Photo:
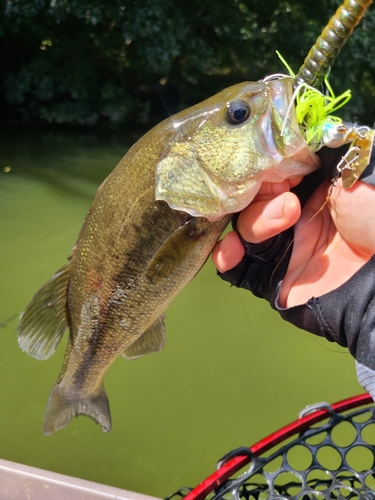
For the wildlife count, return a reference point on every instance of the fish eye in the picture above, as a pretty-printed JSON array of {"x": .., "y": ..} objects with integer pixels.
[{"x": 237, "y": 112}]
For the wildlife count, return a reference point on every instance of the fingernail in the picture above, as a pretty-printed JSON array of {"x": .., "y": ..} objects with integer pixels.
[{"x": 274, "y": 209}]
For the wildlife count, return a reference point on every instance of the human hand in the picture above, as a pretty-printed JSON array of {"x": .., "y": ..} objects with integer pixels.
[{"x": 328, "y": 249}]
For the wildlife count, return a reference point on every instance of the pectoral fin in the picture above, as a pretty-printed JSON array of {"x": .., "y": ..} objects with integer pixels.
[
  {"x": 152, "y": 340},
  {"x": 45, "y": 319},
  {"x": 176, "y": 248}
]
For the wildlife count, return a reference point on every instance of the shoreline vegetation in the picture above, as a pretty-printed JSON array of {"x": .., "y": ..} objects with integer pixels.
[{"x": 125, "y": 63}]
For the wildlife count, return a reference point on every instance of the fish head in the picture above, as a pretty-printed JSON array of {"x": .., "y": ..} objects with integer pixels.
[{"x": 224, "y": 148}]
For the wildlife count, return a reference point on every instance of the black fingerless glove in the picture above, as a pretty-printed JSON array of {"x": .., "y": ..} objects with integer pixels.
[{"x": 347, "y": 314}]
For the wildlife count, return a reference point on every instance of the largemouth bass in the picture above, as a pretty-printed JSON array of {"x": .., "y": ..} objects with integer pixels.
[{"x": 151, "y": 227}]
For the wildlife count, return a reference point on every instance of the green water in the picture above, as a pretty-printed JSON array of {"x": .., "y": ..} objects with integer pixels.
[{"x": 232, "y": 371}]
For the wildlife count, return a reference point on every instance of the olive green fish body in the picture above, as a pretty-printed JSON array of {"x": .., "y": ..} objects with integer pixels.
[
  {"x": 152, "y": 225},
  {"x": 124, "y": 273}
]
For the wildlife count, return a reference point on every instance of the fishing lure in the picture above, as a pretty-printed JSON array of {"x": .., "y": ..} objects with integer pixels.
[
  {"x": 314, "y": 109},
  {"x": 320, "y": 127}
]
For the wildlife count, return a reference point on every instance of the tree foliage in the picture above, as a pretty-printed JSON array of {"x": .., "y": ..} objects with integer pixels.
[{"x": 118, "y": 61}]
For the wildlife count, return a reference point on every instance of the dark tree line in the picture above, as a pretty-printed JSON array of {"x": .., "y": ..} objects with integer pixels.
[{"x": 122, "y": 61}]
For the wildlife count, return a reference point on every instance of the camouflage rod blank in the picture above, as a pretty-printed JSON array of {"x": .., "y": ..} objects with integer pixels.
[{"x": 323, "y": 54}]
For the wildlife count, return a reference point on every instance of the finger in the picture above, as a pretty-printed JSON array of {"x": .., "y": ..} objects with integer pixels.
[
  {"x": 352, "y": 211},
  {"x": 265, "y": 219},
  {"x": 272, "y": 189},
  {"x": 228, "y": 252}
]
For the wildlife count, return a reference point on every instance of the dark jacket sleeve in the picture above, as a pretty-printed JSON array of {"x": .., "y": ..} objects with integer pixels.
[{"x": 345, "y": 315}]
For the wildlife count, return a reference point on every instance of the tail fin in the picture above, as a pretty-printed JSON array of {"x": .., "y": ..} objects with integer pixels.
[{"x": 61, "y": 409}]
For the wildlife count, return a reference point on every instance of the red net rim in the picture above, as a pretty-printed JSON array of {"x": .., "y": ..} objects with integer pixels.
[{"x": 235, "y": 464}]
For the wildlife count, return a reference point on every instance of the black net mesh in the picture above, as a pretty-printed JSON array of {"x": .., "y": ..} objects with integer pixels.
[{"x": 334, "y": 459}]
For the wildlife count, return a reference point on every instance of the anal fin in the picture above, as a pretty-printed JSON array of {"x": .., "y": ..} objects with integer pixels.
[
  {"x": 45, "y": 319},
  {"x": 152, "y": 340}
]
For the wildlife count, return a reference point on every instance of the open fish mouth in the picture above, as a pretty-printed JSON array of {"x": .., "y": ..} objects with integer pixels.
[{"x": 264, "y": 144}]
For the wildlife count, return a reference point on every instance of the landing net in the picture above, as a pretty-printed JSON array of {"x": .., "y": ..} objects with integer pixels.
[{"x": 328, "y": 453}]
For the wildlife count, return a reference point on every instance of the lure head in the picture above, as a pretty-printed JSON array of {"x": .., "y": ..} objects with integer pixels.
[{"x": 225, "y": 147}]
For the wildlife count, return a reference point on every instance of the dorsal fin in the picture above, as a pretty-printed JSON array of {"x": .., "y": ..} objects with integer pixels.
[
  {"x": 45, "y": 319},
  {"x": 152, "y": 340}
]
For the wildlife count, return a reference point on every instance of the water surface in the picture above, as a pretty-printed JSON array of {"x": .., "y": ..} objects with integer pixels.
[{"x": 232, "y": 371}]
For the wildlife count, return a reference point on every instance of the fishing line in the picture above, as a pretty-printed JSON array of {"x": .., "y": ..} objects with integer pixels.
[
  {"x": 5, "y": 323},
  {"x": 328, "y": 197},
  {"x": 163, "y": 102},
  {"x": 317, "y": 340}
]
